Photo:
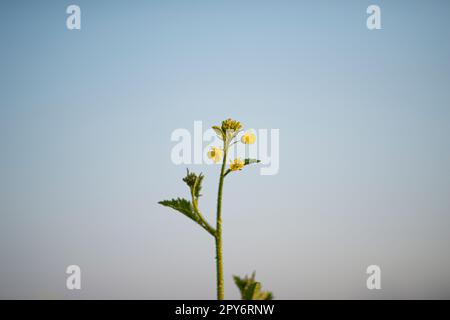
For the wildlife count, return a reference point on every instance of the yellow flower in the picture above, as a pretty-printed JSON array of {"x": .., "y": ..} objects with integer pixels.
[
  {"x": 237, "y": 164},
  {"x": 248, "y": 138},
  {"x": 215, "y": 154}
]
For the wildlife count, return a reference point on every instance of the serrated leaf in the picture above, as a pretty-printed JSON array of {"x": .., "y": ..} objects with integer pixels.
[
  {"x": 182, "y": 205},
  {"x": 251, "y": 289},
  {"x": 240, "y": 283},
  {"x": 194, "y": 182}
]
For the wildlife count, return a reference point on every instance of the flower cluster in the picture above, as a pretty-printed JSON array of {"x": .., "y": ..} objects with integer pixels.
[
  {"x": 227, "y": 132},
  {"x": 236, "y": 165},
  {"x": 231, "y": 124}
]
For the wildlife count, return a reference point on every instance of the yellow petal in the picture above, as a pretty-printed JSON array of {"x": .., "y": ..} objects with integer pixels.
[{"x": 248, "y": 138}]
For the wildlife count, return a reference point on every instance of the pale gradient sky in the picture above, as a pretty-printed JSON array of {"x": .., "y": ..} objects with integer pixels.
[{"x": 85, "y": 124}]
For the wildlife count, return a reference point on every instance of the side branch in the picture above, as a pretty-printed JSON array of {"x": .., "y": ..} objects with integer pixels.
[{"x": 202, "y": 221}]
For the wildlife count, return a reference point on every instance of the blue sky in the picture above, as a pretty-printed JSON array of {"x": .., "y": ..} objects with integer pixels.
[{"x": 85, "y": 124}]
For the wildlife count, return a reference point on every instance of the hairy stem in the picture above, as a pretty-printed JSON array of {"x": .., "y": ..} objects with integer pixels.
[
  {"x": 219, "y": 261},
  {"x": 201, "y": 221}
]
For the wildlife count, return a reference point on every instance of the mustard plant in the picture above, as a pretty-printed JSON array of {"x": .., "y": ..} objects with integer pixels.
[{"x": 227, "y": 133}]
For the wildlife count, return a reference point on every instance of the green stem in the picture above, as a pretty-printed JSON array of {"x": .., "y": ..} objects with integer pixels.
[
  {"x": 201, "y": 221},
  {"x": 219, "y": 261}
]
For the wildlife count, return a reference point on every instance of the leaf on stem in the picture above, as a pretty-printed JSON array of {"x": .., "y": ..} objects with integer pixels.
[
  {"x": 251, "y": 289},
  {"x": 194, "y": 182},
  {"x": 182, "y": 205}
]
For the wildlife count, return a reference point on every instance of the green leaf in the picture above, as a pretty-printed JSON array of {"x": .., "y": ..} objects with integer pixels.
[
  {"x": 218, "y": 131},
  {"x": 198, "y": 185},
  {"x": 251, "y": 289},
  {"x": 182, "y": 205},
  {"x": 194, "y": 182}
]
